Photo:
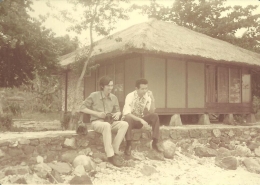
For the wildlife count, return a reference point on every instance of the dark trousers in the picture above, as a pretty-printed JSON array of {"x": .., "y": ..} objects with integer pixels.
[{"x": 152, "y": 119}]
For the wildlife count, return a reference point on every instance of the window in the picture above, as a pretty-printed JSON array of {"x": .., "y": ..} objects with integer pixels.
[{"x": 227, "y": 85}]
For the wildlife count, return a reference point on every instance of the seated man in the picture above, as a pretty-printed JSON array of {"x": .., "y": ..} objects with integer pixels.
[
  {"x": 98, "y": 104},
  {"x": 138, "y": 111}
]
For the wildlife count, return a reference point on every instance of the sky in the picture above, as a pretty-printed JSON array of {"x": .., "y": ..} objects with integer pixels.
[{"x": 60, "y": 27}]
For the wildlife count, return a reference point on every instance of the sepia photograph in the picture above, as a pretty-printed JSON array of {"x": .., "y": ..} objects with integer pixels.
[{"x": 130, "y": 92}]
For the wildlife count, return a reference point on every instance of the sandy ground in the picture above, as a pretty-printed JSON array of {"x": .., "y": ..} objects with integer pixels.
[{"x": 180, "y": 171}]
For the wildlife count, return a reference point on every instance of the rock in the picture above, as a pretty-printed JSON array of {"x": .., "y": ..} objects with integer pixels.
[
  {"x": 216, "y": 132},
  {"x": 243, "y": 151},
  {"x": 153, "y": 155},
  {"x": 51, "y": 156},
  {"x": 39, "y": 159},
  {"x": 15, "y": 152},
  {"x": 137, "y": 135},
  {"x": 17, "y": 170},
  {"x": 69, "y": 156},
  {"x": 60, "y": 167},
  {"x": 228, "y": 163},
  {"x": 130, "y": 163},
  {"x": 231, "y": 133},
  {"x": 138, "y": 156},
  {"x": 23, "y": 141},
  {"x": 84, "y": 179},
  {"x": 18, "y": 180},
  {"x": 257, "y": 151},
  {"x": 2, "y": 154},
  {"x": 223, "y": 152},
  {"x": 70, "y": 143},
  {"x": 168, "y": 149},
  {"x": 85, "y": 151},
  {"x": 79, "y": 170},
  {"x": 102, "y": 165},
  {"x": 148, "y": 170},
  {"x": 213, "y": 145},
  {"x": 82, "y": 142},
  {"x": 175, "y": 120},
  {"x": 99, "y": 155},
  {"x": 205, "y": 152},
  {"x": 42, "y": 170},
  {"x": 2, "y": 174},
  {"x": 85, "y": 161},
  {"x": 145, "y": 135},
  {"x": 97, "y": 160},
  {"x": 28, "y": 149},
  {"x": 252, "y": 145},
  {"x": 252, "y": 165},
  {"x": 195, "y": 133},
  {"x": 55, "y": 177}
]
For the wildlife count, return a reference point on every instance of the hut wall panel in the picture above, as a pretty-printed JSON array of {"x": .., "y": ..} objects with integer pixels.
[
  {"x": 176, "y": 84},
  {"x": 154, "y": 72},
  {"x": 119, "y": 82},
  {"x": 234, "y": 86},
  {"x": 132, "y": 73},
  {"x": 246, "y": 86},
  {"x": 196, "y": 85}
]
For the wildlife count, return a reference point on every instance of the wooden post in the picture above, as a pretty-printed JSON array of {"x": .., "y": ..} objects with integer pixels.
[{"x": 175, "y": 120}]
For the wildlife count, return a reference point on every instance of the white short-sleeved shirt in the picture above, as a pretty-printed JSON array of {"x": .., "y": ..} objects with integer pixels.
[{"x": 136, "y": 105}]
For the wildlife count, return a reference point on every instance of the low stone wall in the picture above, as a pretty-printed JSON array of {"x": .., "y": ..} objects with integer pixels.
[{"x": 55, "y": 146}]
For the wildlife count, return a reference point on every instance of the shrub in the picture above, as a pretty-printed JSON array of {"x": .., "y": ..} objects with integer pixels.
[
  {"x": 6, "y": 122},
  {"x": 256, "y": 103},
  {"x": 65, "y": 120}
]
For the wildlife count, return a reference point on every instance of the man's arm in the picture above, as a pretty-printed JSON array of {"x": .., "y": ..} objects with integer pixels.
[
  {"x": 152, "y": 106},
  {"x": 85, "y": 108},
  {"x": 128, "y": 109}
]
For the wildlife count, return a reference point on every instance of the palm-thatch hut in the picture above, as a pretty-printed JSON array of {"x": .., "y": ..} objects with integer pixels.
[{"x": 188, "y": 72}]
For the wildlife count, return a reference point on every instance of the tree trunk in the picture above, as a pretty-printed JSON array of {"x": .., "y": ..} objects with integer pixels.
[{"x": 74, "y": 117}]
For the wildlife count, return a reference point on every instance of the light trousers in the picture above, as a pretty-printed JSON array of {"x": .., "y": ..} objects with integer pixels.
[{"x": 106, "y": 130}]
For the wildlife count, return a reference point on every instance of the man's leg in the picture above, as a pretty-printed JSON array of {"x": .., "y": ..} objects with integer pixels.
[
  {"x": 132, "y": 125},
  {"x": 153, "y": 120},
  {"x": 121, "y": 128},
  {"x": 105, "y": 129}
]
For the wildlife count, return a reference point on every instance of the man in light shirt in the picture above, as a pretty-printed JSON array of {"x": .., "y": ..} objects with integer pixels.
[{"x": 138, "y": 111}]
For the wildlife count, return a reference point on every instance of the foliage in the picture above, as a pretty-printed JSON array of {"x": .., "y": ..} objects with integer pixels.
[
  {"x": 27, "y": 48},
  {"x": 99, "y": 17},
  {"x": 65, "y": 120},
  {"x": 6, "y": 122},
  {"x": 212, "y": 18},
  {"x": 256, "y": 104}
]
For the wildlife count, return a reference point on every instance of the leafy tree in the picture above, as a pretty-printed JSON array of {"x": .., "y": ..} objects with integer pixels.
[
  {"x": 99, "y": 17},
  {"x": 26, "y": 47},
  {"x": 212, "y": 18}
]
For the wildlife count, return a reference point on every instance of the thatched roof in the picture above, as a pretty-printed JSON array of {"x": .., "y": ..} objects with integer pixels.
[{"x": 167, "y": 38}]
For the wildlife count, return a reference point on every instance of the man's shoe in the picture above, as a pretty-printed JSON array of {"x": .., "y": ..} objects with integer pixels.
[
  {"x": 128, "y": 149},
  {"x": 157, "y": 147},
  {"x": 116, "y": 161}
]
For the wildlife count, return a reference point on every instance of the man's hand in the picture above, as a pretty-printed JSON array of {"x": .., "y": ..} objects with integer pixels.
[
  {"x": 150, "y": 93},
  {"x": 101, "y": 114},
  {"x": 145, "y": 124},
  {"x": 116, "y": 116}
]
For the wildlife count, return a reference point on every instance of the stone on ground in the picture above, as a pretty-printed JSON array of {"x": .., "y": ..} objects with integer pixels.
[
  {"x": 205, "y": 152},
  {"x": 148, "y": 170},
  {"x": 60, "y": 167},
  {"x": 168, "y": 149},
  {"x": 252, "y": 165},
  {"x": 85, "y": 179},
  {"x": 85, "y": 161},
  {"x": 79, "y": 170},
  {"x": 227, "y": 163},
  {"x": 69, "y": 156}
]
